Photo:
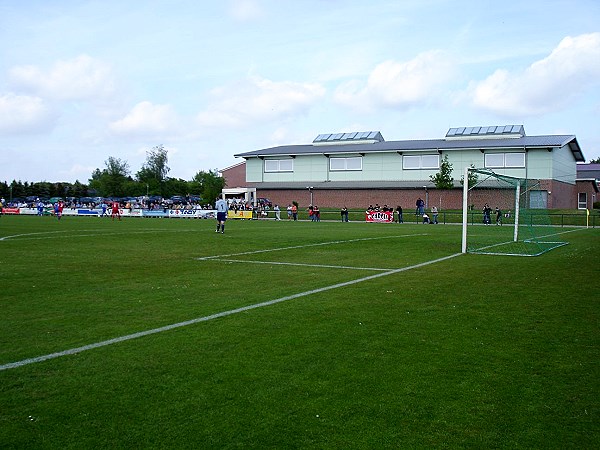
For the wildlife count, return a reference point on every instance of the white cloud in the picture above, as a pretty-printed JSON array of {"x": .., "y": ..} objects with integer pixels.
[
  {"x": 24, "y": 114},
  {"x": 148, "y": 119},
  {"x": 80, "y": 78},
  {"x": 546, "y": 85},
  {"x": 245, "y": 10},
  {"x": 399, "y": 84},
  {"x": 257, "y": 99}
]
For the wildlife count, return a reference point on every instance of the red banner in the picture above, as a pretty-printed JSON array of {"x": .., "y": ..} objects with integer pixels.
[
  {"x": 11, "y": 210},
  {"x": 380, "y": 216}
]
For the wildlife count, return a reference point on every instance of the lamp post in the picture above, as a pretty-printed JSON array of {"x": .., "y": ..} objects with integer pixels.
[
  {"x": 310, "y": 189},
  {"x": 426, "y": 197}
]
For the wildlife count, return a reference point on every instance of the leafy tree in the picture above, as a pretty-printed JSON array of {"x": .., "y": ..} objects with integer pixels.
[
  {"x": 473, "y": 178},
  {"x": 443, "y": 179},
  {"x": 595, "y": 161},
  {"x": 153, "y": 173},
  {"x": 155, "y": 167},
  {"x": 207, "y": 184},
  {"x": 111, "y": 182}
]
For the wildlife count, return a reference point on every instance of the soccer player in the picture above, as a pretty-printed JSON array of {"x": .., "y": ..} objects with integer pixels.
[
  {"x": 58, "y": 209},
  {"x": 115, "y": 211},
  {"x": 221, "y": 207}
]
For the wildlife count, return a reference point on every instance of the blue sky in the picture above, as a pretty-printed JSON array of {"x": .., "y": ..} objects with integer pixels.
[{"x": 81, "y": 81}]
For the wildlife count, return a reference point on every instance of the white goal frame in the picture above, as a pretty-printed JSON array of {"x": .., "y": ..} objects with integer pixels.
[{"x": 465, "y": 205}]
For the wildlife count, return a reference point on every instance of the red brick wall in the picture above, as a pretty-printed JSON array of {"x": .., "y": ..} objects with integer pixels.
[
  {"x": 235, "y": 176},
  {"x": 362, "y": 198},
  {"x": 562, "y": 195},
  {"x": 589, "y": 189}
]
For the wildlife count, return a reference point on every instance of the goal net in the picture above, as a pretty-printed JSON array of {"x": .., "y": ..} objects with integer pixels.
[{"x": 498, "y": 219}]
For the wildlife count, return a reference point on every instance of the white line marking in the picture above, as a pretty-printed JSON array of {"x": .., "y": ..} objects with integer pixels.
[
  {"x": 293, "y": 247},
  {"x": 26, "y": 236},
  {"x": 277, "y": 263},
  {"x": 129, "y": 337}
]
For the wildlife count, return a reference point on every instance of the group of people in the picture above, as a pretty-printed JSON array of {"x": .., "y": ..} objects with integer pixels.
[
  {"x": 314, "y": 213},
  {"x": 487, "y": 215}
]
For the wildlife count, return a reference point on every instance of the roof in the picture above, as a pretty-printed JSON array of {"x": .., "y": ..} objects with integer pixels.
[
  {"x": 529, "y": 142},
  {"x": 588, "y": 167}
]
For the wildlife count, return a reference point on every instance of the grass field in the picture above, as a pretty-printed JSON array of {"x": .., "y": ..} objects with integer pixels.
[{"x": 292, "y": 335}]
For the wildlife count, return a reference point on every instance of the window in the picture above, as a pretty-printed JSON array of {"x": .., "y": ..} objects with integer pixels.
[
  {"x": 279, "y": 165},
  {"x": 421, "y": 162},
  {"x": 352, "y": 163},
  {"x": 582, "y": 200},
  {"x": 496, "y": 160},
  {"x": 514, "y": 159}
]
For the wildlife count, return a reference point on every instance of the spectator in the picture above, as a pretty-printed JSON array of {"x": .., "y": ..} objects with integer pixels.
[{"x": 344, "y": 214}]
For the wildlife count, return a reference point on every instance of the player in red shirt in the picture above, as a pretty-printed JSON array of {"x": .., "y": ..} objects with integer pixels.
[{"x": 115, "y": 211}]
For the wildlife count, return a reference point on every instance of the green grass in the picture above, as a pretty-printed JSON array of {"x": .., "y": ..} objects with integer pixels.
[{"x": 475, "y": 351}]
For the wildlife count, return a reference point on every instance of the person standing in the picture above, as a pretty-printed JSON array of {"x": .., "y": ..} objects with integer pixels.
[
  {"x": 434, "y": 214},
  {"x": 420, "y": 204},
  {"x": 487, "y": 212},
  {"x": 277, "y": 212},
  {"x": 294, "y": 211},
  {"x": 498, "y": 216},
  {"x": 221, "y": 207},
  {"x": 344, "y": 214},
  {"x": 114, "y": 212},
  {"x": 400, "y": 215},
  {"x": 57, "y": 210},
  {"x": 289, "y": 212}
]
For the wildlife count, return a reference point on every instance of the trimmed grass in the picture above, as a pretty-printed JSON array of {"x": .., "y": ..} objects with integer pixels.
[{"x": 475, "y": 351}]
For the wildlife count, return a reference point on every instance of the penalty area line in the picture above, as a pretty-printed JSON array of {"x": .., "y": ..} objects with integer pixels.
[
  {"x": 140, "y": 334},
  {"x": 279, "y": 263}
]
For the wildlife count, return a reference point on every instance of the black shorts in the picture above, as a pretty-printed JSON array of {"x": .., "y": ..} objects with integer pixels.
[{"x": 221, "y": 216}]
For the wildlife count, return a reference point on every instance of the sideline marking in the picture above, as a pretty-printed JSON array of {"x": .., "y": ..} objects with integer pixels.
[{"x": 128, "y": 337}]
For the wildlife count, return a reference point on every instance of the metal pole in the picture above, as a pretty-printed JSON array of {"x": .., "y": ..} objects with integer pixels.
[{"x": 465, "y": 216}]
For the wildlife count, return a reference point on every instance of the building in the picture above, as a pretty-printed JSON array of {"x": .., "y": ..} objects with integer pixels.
[
  {"x": 361, "y": 168},
  {"x": 588, "y": 176}
]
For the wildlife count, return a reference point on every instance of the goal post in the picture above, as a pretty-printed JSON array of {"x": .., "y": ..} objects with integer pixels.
[{"x": 496, "y": 218}]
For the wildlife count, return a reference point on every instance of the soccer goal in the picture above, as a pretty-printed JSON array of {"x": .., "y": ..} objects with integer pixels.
[{"x": 498, "y": 219}]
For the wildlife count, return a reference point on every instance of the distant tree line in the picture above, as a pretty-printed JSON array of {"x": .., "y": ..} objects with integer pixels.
[{"x": 116, "y": 180}]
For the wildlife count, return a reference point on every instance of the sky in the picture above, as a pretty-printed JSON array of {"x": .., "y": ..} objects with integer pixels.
[{"x": 82, "y": 81}]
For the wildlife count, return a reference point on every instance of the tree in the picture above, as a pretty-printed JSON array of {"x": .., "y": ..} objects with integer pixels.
[
  {"x": 473, "y": 178},
  {"x": 111, "y": 182},
  {"x": 207, "y": 184},
  {"x": 595, "y": 161},
  {"x": 155, "y": 167},
  {"x": 443, "y": 179}
]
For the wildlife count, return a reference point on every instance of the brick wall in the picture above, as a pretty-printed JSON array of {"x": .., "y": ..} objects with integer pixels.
[
  {"x": 362, "y": 198},
  {"x": 235, "y": 176}
]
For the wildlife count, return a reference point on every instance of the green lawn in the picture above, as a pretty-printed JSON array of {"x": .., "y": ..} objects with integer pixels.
[{"x": 472, "y": 351}]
